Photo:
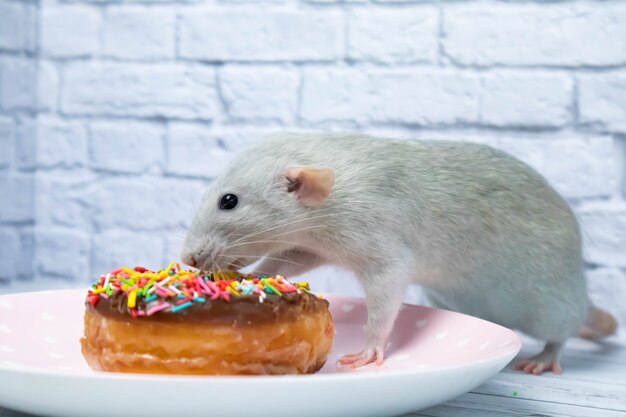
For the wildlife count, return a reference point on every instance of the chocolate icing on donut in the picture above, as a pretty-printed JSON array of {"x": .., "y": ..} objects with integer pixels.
[
  {"x": 174, "y": 295},
  {"x": 244, "y": 310}
]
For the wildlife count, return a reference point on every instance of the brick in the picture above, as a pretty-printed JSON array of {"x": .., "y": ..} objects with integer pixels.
[
  {"x": 139, "y": 33},
  {"x": 194, "y": 150},
  {"x": 144, "y": 203},
  {"x": 7, "y": 140},
  {"x": 69, "y": 31},
  {"x": 562, "y": 34},
  {"x": 525, "y": 99},
  {"x": 60, "y": 143},
  {"x": 265, "y": 35},
  {"x": 582, "y": 168},
  {"x": 62, "y": 254},
  {"x": 9, "y": 254},
  {"x": 576, "y": 167},
  {"x": 394, "y": 36},
  {"x": 26, "y": 148},
  {"x": 607, "y": 289},
  {"x": 32, "y": 25},
  {"x": 18, "y": 77},
  {"x": 13, "y": 28},
  {"x": 604, "y": 231},
  {"x": 128, "y": 147},
  {"x": 25, "y": 259},
  {"x": 602, "y": 100},
  {"x": 47, "y": 86},
  {"x": 252, "y": 93},
  {"x": 164, "y": 90},
  {"x": 19, "y": 26},
  {"x": 18, "y": 189},
  {"x": 114, "y": 249},
  {"x": 405, "y": 96},
  {"x": 64, "y": 200}
]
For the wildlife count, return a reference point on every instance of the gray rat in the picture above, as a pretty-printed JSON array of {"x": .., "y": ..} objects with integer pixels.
[{"x": 482, "y": 232}]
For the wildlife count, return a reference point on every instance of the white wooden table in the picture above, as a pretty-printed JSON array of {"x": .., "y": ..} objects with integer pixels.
[{"x": 593, "y": 384}]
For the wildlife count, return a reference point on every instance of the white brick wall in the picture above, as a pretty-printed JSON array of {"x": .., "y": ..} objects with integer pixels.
[
  {"x": 266, "y": 94},
  {"x": 114, "y": 248},
  {"x": 394, "y": 36},
  {"x": 60, "y": 143},
  {"x": 143, "y": 203},
  {"x": 240, "y": 34},
  {"x": 603, "y": 101},
  {"x": 19, "y": 26},
  {"x": 115, "y": 115},
  {"x": 563, "y": 34},
  {"x": 521, "y": 99},
  {"x": 127, "y": 147},
  {"x": 69, "y": 31},
  {"x": 135, "y": 33},
  {"x": 17, "y": 76},
  {"x": 141, "y": 90},
  {"x": 54, "y": 248},
  {"x": 195, "y": 151},
  {"x": 18, "y": 101},
  {"x": 416, "y": 96}
]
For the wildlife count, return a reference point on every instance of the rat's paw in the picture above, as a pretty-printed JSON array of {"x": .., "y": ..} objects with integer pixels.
[
  {"x": 537, "y": 366},
  {"x": 357, "y": 360},
  {"x": 546, "y": 361}
]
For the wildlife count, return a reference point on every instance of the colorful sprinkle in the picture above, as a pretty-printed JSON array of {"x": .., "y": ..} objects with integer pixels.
[
  {"x": 172, "y": 289},
  {"x": 132, "y": 299},
  {"x": 181, "y": 307},
  {"x": 155, "y": 309}
]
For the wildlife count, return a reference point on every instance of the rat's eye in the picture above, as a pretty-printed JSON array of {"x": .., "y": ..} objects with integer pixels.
[{"x": 228, "y": 202}]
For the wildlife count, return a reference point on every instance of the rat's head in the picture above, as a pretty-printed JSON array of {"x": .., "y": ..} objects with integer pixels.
[{"x": 258, "y": 207}]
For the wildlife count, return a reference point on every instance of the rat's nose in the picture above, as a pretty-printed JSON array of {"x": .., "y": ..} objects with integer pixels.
[{"x": 189, "y": 260}]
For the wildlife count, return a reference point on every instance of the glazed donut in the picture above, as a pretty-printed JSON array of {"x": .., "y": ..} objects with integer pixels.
[{"x": 183, "y": 322}]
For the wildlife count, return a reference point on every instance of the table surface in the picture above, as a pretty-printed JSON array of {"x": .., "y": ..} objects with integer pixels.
[{"x": 593, "y": 384}]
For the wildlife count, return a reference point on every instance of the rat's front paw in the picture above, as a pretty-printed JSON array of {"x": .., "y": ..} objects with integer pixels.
[{"x": 357, "y": 360}]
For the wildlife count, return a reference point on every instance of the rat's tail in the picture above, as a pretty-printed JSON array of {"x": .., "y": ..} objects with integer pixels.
[{"x": 599, "y": 324}]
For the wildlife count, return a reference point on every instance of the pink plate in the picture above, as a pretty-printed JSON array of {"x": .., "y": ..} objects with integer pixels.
[{"x": 432, "y": 356}]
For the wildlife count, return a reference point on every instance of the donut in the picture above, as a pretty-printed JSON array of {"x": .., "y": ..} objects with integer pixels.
[{"x": 176, "y": 321}]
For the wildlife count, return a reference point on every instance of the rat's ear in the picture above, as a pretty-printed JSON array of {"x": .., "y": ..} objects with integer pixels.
[{"x": 311, "y": 186}]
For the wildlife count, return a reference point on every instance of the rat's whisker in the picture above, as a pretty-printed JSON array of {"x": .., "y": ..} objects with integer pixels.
[
  {"x": 297, "y": 220},
  {"x": 277, "y": 235},
  {"x": 321, "y": 213},
  {"x": 287, "y": 224},
  {"x": 260, "y": 241},
  {"x": 266, "y": 257}
]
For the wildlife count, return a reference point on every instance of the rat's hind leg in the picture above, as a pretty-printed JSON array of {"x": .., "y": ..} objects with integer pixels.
[{"x": 547, "y": 360}]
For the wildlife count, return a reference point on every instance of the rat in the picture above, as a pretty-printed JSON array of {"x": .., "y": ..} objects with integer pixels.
[{"x": 482, "y": 232}]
